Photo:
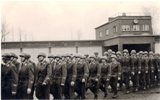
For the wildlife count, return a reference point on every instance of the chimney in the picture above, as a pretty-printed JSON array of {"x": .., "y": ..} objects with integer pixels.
[{"x": 123, "y": 14}]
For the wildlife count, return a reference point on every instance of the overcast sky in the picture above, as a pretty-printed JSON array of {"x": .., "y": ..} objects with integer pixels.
[{"x": 69, "y": 20}]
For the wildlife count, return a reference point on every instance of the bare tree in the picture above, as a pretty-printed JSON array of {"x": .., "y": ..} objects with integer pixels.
[{"x": 4, "y": 31}]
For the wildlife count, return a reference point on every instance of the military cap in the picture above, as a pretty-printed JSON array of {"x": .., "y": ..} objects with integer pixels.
[
  {"x": 140, "y": 52},
  {"x": 103, "y": 57},
  {"x": 113, "y": 56},
  {"x": 105, "y": 53},
  {"x": 109, "y": 50},
  {"x": 92, "y": 57},
  {"x": 95, "y": 52},
  {"x": 67, "y": 55},
  {"x": 125, "y": 51},
  {"x": 42, "y": 54},
  {"x": 82, "y": 57},
  {"x": 50, "y": 56},
  {"x": 58, "y": 56},
  {"x": 151, "y": 53},
  {"x": 13, "y": 55},
  {"x": 86, "y": 55},
  {"x": 113, "y": 52},
  {"x": 145, "y": 52},
  {"x": 133, "y": 51},
  {"x": 118, "y": 53},
  {"x": 23, "y": 55}
]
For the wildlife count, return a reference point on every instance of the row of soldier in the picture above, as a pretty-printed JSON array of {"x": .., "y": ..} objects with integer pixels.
[{"x": 65, "y": 75}]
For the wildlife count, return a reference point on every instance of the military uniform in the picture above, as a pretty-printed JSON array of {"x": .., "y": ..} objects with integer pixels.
[
  {"x": 94, "y": 76},
  {"x": 151, "y": 65},
  {"x": 58, "y": 78},
  {"x": 134, "y": 70},
  {"x": 115, "y": 74},
  {"x": 157, "y": 68},
  {"x": 105, "y": 77},
  {"x": 70, "y": 80},
  {"x": 9, "y": 80},
  {"x": 81, "y": 80},
  {"x": 43, "y": 79},
  {"x": 126, "y": 69},
  {"x": 26, "y": 79}
]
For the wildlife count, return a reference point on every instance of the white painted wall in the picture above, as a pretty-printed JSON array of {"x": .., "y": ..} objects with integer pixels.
[{"x": 157, "y": 47}]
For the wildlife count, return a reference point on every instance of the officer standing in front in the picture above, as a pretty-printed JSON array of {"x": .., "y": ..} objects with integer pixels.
[
  {"x": 9, "y": 78},
  {"x": 43, "y": 77}
]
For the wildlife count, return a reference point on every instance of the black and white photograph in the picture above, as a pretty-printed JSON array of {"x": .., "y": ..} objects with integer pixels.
[{"x": 80, "y": 49}]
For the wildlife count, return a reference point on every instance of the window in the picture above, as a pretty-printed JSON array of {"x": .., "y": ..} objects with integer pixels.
[
  {"x": 145, "y": 27},
  {"x": 114, "y": 29},
  {"x": 135, "y": 28},
  {"x": 100, "y": 34},
  {"x": 125, "y": 27},
  {"x": 107, "y": 31}
]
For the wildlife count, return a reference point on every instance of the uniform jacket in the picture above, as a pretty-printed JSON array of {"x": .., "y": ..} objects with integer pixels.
[
  {"x": 59, "y": 72},
  {"x": 94, "y": 70},
  {"x": 43, "y": 72},
  {"x": 71, "y": 70},
  {"x": 115, "y": 69},
  {"x": 126, "y": 64},
  {"x": 82, "y": 70},
  {"x": 134, "y": 63},
  {"x": 9, "y": 77},
  {"x": 105, "y": 70},
  {"x": 25, "y": 74}
]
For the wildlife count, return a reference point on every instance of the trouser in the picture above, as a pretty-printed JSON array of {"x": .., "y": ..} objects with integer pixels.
[
  {"x": 157, "y": 75},
  {"x": 147, "y": 79},
  {"x": 120, "y": 83},
  {"x": 6, "y": 93},
  {"x": 22, "y": 90},
  {"x": 69, "y": 90},
  {"x": 80, "y": 88},
  {"x": 126, "y": 79},
  {"x": 57, "y": 90},
  {"x": 152, "y": 77},
  {"x": 142, "y": 79},
  {"x": 93, "y": 86},
  {"x": 42, "y": 91},
  {"x": 104, "y": 85},
  {"x": 113, "y": 83},
  {"x": 135, "y": 80}
]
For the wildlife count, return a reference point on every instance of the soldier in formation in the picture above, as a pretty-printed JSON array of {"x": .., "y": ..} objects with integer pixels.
[{"x": 70, "y": 76}]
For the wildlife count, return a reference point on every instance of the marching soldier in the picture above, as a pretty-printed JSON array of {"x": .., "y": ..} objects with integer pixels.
[
  {"x": 151, "y": 65},
  {"x": 134, "y": 70},
  {"x": 9, "y": 78},
  {"x": 157, "y": 68},
  {"x": 94, "y": 76},
  {"x": 146, "y": 68},
  {"x": 119, "y": 59},
  {"x": 42, "y": 83},
  {"x": 71, "y": 78},
  {"x": 34, "y": 70},
  {"x": 58, "y": 78},
  {"x": 115, "y": 75},
  {"x": 81, "y": 80},
  {"x": 105, "y": 76},
  {"x": 126, "y": 69},
  {"x": 26, "y": 78}
]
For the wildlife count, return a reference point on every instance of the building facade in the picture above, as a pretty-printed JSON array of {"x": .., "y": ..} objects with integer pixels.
[{"x": 128, "y": 32}]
